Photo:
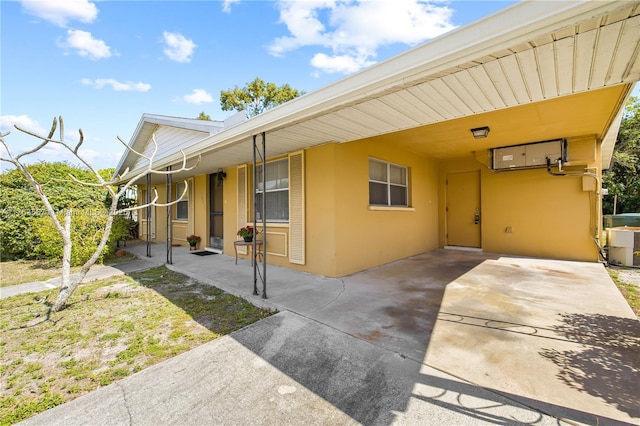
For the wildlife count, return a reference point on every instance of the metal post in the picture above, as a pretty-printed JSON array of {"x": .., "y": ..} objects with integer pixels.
[
  {"x": 147, "y": 202},
  {"x": 256, "y": 272},
  {"x": 169, "y": 183},
  {"x": 255, "y": 210},
  {"x": 264, "y": 219}
]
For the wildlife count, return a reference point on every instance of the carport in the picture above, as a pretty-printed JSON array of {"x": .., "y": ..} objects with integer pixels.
[{"x": 554, "y": 336}]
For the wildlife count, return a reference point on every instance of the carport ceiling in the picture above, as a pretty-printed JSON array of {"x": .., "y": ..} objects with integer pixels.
[
  {"x": 578, "y": 115},
  {"x": 459, "y": 79}
]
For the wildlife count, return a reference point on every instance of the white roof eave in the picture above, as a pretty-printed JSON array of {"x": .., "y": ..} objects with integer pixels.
[
  {"x": 508, "y": 27},
  {"x": 513, "y": 25}
]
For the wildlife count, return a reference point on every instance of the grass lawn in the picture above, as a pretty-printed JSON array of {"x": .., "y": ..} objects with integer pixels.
[
  {"x": 629, "y": 291},
  {"x": 24, "y": 271},
  {"x": 110, "y": 330}
]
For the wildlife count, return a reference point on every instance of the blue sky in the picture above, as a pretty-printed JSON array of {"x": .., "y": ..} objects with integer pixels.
[{"x": 102, "y": 64}]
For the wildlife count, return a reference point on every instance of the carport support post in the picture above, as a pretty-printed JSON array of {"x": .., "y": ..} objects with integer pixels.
[
  {"x": 264, "y": 219},
  {"x": 263, "y": 178},
  {"x": 148, "y": 202},
  {"x": 169, "y": 182}
]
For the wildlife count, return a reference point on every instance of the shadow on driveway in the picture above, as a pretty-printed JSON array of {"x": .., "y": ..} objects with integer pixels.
[
  {"x": 446, "y": 337},
  {"x": 607, "y": 362}
]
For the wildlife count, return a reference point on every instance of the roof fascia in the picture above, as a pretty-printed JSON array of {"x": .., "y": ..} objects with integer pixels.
[
  {"x": 611, "y": 136},
  {"x": 206, "y": 126},
  {"x": 513, "y": 25},
  {"x": 184, "y": 123}
]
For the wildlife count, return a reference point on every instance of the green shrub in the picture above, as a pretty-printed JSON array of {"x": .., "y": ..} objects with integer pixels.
[
  {"x": 21, "y": 210},
  {"x": 87, "y": 227}
]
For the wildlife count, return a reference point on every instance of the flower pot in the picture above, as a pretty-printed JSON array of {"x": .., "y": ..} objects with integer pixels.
[
  {"x": 192, "y": 247},
  {"x": 248, "y": 239}
]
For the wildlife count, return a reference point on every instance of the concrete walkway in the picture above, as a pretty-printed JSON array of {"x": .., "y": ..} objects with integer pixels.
[
  {"x": 446, "y": 337},
  {"x": 97, "y": 272}
]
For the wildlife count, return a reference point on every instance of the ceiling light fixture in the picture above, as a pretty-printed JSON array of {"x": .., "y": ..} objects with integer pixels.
[{"x": 480, "y": 132}]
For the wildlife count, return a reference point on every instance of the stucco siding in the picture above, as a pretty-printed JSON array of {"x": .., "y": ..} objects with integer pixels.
[
  {"x": 367, "y": 237},
  {"x": 532, "y": 213}
]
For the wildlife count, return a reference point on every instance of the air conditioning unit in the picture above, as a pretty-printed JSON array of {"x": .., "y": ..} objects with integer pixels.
[
  {"x": 530, "y": 155},
  {"x": 624, "y": 246}
]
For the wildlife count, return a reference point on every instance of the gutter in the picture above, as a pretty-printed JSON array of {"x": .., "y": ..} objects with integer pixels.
[{"x": 504, "y": 29}]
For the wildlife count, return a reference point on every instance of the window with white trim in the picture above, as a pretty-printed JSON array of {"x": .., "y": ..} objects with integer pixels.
[
  {"x": 276, "y": 191},
  {"x": 182, "y": 206},
  {"x": 387, "y": 184}
]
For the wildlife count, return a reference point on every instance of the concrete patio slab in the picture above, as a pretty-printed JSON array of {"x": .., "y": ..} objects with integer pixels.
[
  {"x": 446, "y": 337},
  {"x": 289, "y": 370}
]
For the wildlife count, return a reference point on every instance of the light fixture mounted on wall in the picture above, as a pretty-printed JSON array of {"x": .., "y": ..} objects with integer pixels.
[
  {"x": 220, "y": 175},
  {"x": 480, "y": 132}
]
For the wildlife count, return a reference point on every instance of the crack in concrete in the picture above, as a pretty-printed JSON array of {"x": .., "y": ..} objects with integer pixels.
[
  {"x": 344, "y": 287},
  {"x": 126, "y": 403}
]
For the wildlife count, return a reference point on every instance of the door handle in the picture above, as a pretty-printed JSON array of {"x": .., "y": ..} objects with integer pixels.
[{"x": 476, "y": 218}]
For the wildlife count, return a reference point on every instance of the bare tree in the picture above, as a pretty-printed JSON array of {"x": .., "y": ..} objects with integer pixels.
[{"x": 117, "y": 187}]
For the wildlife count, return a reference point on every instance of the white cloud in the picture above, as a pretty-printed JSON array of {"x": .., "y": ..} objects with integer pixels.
[
  {"x": 352, "y": 31},
  {"x": 101, "y": 160},
  {"x": 8, "y": 121},
  {"x": 178, "y": 47},
  {"x": 340, "y": 63},
  {"x": 85, "y": 45},
  {"x": 127, "y": 86},
  {"x": 197, "y": 97},
  {"x": 226, "y": 5},
  {"x": 20, "y": 142},
  {"x": 60, "y": 12}
]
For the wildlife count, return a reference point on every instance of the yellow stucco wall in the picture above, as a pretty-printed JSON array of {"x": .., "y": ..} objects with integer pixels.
[
  {"x": 343, "y": 235},
  {"x": 366, "y": 237},
  {"x": 159, "y": 223},
  {"x": 198, "y": 214},
  {"x": 531, "y": 213},
  {"x": 547, "y": 216}
]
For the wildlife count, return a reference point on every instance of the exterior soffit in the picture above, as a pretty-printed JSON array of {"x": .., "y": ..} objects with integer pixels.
[{"x": 600, "y": 52}]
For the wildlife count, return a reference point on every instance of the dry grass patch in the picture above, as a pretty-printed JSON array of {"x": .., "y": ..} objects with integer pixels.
[
  {"x": 25, "y": 271},
  {"x": 628, "y": 290},
  {"x": 110, "y": 330},
  {"x": 14, "y": 272}
]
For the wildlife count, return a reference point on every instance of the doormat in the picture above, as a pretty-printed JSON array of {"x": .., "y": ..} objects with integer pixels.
[{"x": 203, "y": 253}]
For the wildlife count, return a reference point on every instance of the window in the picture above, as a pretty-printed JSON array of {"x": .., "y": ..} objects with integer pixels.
[
  {"x": 276, "y": 191},
  {"x": 182, "y": 206},
  {"x": 387, "y": 184}
]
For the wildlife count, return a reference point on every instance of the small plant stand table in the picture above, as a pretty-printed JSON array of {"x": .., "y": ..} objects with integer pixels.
[{"x": 241, "y": 243}]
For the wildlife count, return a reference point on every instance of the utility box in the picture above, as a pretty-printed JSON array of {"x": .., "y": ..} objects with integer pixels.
[
  {"x": 529, "y": 155},
  {"x": 624, "y": 246},
  {"x": 509, "y": 157}
]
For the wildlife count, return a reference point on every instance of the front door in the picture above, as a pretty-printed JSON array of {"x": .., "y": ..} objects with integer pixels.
[
  {"x": 463, "y": 209},
  {"x": 216, "y": 201}
]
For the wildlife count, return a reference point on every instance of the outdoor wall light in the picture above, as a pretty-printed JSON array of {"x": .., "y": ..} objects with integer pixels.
[
  {"x": 480, "y": 132},
  {"x": 220, "y": 175}
]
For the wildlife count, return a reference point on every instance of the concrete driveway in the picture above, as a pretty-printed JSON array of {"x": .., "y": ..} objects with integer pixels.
[{"x": 447, "y": 337}]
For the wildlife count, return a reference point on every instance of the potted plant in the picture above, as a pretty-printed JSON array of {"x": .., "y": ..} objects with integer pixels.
[
  {"x": 246, "y": 233},
  {"x": 193, "y": 241}
]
